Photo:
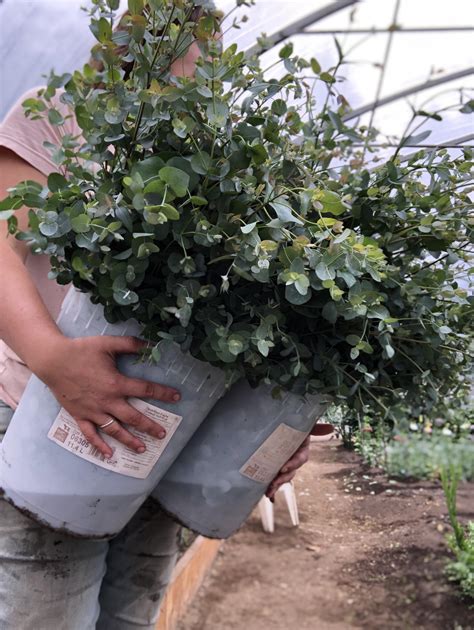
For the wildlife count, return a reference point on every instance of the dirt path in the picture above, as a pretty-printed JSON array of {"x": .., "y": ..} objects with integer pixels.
[{"x": 369, "y": 554}]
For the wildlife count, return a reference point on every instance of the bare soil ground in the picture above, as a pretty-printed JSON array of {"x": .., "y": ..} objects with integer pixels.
[{"x": 369, "y": 554}]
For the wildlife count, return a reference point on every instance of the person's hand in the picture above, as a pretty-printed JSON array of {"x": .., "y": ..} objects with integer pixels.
[
  {"x": 288, "y": 471},
  {"x": 83, "y": 376},
  {"x": 301, "y": 456}
]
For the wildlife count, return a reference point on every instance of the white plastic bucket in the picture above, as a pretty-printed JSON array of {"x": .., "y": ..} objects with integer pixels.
[
  {"x": 67, "y": 492},
  {"x": 229, "y": 462}
]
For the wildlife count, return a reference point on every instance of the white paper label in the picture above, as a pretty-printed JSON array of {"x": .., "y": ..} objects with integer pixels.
[
  {"x": 66, "y": 433},
  {"x": 264, "y": 465}
]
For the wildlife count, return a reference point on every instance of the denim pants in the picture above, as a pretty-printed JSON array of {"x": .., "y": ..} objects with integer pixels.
[{"x": 50, "y": 581}]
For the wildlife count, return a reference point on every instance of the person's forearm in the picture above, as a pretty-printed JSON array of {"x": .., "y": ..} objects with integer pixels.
[{"x": 25, "y": 323}]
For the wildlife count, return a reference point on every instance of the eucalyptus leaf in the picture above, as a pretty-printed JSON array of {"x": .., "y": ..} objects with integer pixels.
[
  {"x": 148, "y": 169},
  {"x": 294, "y": 296},
  {"x": 286, "y": 51},
  {"x": 125, "y": 297},
  {"x": 285, "y": 213},
  {"x": 55, "y": 117},
  {"x": 198, "y": 201},
  {"x": 201, "y": 163},
  {"x": 80, "y": 223},
  {"x": 9, "y": 205},
  {"x": 56, "y": 182},
  {"x": 331, "y": 202},
  {"x": 246, "y": 229},
  {"x": 177, "y": 179}
]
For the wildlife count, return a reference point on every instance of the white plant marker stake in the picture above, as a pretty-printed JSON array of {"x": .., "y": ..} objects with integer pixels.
[
  {"x": 288, "y": 490},
  {"x": 265, "y": 508}
]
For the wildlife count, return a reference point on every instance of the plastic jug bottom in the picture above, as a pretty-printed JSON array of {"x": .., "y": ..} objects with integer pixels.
[{"x": 51, "y": 522}]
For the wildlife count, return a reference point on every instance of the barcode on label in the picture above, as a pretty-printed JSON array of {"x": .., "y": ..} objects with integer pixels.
[{"x": 251, "y": 470}]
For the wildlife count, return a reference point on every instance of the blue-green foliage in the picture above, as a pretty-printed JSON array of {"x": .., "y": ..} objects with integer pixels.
[{"x": 261, "y": 240}]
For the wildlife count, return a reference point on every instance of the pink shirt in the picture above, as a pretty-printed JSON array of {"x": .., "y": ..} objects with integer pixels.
[{"x": 25, "y": 137}]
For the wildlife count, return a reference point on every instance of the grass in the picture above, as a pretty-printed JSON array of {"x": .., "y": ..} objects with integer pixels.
[{"x": 460, "y": 569}]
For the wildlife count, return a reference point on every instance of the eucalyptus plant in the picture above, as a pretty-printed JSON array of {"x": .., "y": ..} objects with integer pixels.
[{"x": 226, "y": 212}]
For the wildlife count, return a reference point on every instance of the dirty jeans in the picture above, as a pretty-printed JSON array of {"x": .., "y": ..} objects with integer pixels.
[{"x": 50, "y": 581}]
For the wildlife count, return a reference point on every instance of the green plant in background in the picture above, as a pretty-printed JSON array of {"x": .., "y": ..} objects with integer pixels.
[
  {"x": 413, "y": 456},
  {"x": 371, "y": 443},
  {"x": 425, "y": 457},
  {"x": 461, "y": 541},
  {"x": 228, "y": 213}
]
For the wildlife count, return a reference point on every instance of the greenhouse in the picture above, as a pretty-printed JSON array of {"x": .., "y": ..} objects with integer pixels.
[{"x": 236, "y": 319}]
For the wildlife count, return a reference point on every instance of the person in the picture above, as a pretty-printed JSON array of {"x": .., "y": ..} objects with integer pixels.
[{"x": 48, "y": 579}]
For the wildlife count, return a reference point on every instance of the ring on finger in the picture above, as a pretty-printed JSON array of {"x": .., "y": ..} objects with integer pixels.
[{"x": 107, "y": 424}]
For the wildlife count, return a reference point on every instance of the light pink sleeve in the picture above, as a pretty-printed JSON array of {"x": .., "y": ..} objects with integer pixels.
[{"x": 25, "y": 137}]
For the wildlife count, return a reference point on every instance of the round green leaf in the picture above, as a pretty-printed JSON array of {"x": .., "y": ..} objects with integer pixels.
[
  {"x": 81, "y": 223},
  {"x": 55, "y": 117},
  {"x": 177, "y": 179},
  {"x": 56, "y": 182},
  {"x": 201, "y": 163},
  {"x": 286, "y": 51}
]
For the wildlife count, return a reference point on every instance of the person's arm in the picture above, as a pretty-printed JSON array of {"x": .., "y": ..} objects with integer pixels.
[{"x": 82, "y": 372}]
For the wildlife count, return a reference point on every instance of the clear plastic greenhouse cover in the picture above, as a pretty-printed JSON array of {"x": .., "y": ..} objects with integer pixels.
[{"x": 398, "y": 53}]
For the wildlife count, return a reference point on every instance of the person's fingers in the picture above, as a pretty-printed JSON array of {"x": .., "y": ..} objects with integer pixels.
[
  {"x": 123, "y": 345},
  {"x": 270, "y": 493},
  {"x": 285, "y": 478},
  {"x": 117, "y": 431},
  {"x": 278, "y": 482},
  {"x": 89, "y": 430},
  {"x": 129, "y": 415},
  {"x": 288, "y": 471},
  {"x": 136, "y": 387},
  {"x": 299, "y": 458},
  {"x": 146, "y": 389}
]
